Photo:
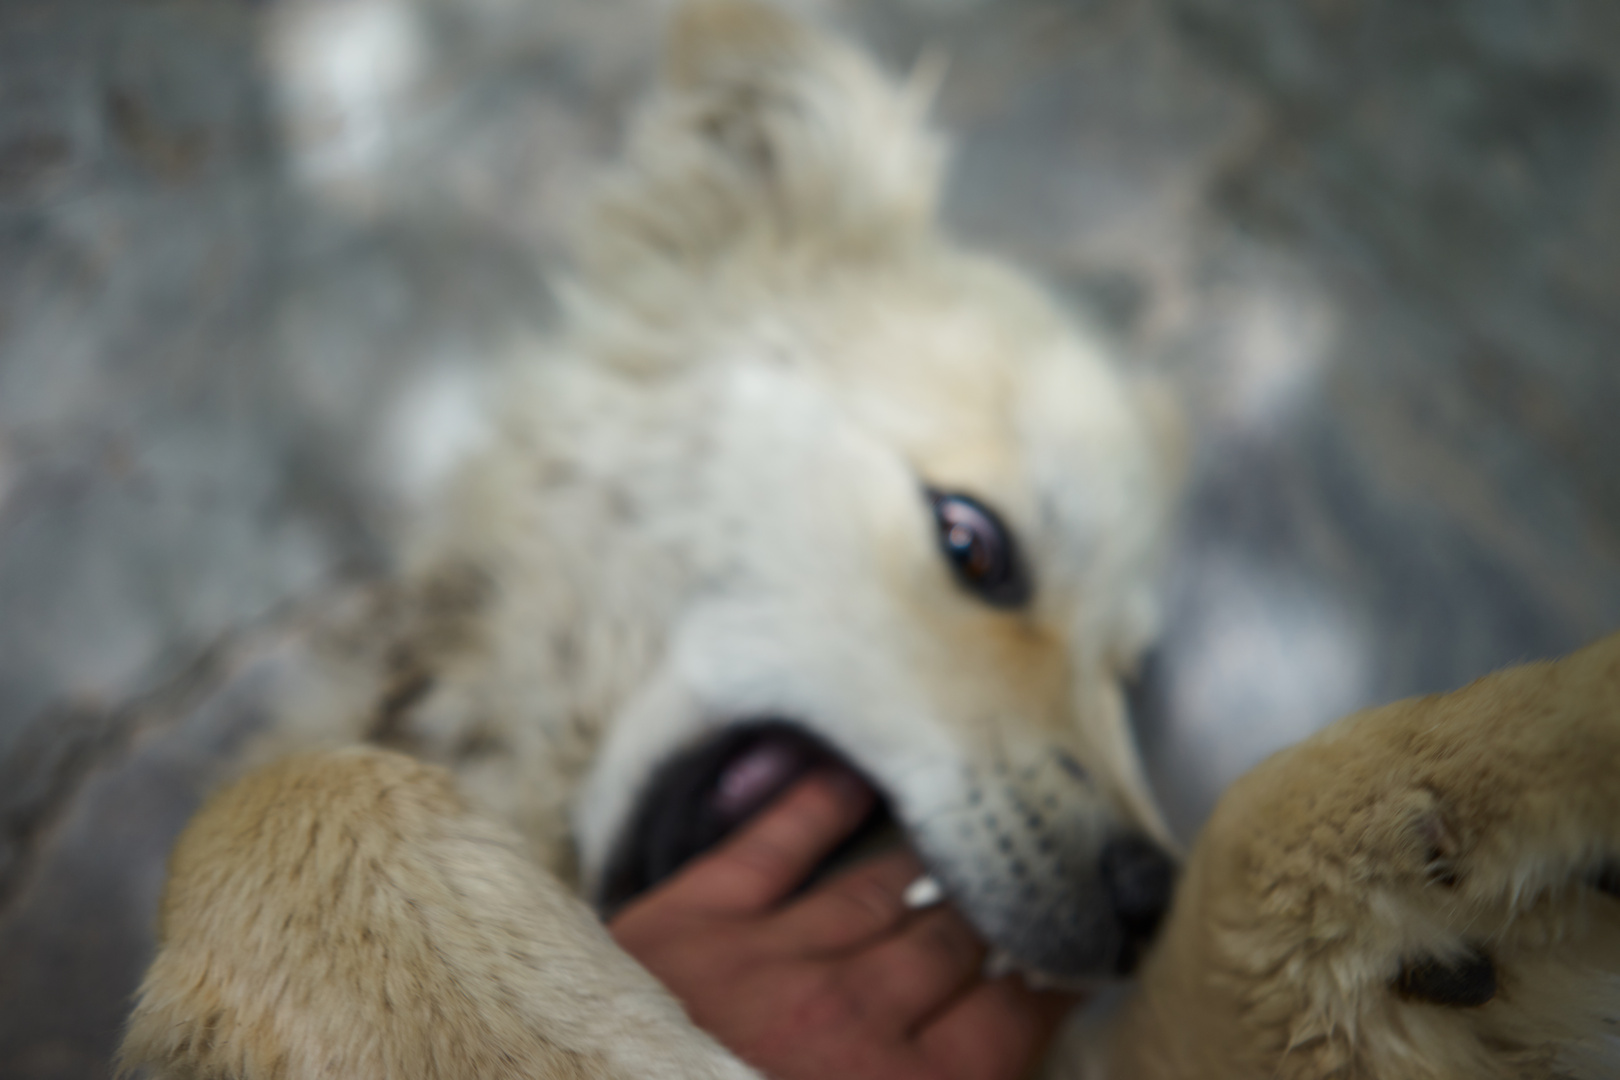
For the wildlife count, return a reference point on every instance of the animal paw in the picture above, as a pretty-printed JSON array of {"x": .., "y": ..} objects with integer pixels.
[{"x": 1423, "y": 890}]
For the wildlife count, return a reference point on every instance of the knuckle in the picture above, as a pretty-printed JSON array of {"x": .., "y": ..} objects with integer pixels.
[
  {"x": 814, "y": 812},
  {"x": 827, "y": 1006},
  {"x": 951, "y": 939},
  {"x": 764, "y": 857},
  {"x": 869, "y": 900}
]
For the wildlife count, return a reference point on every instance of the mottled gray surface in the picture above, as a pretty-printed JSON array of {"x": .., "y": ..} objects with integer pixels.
[{"x": 1375, "y": 244}]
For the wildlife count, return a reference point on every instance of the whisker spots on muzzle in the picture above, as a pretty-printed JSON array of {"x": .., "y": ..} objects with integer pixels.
[{"x": 1071, "y": 765}]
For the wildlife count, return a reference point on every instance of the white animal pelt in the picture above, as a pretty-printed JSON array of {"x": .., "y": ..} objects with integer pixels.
[{"x": 712, "y": 498}]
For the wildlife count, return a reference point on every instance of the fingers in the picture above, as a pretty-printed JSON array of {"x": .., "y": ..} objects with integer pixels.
[
  {"x": 854, "y": 908},
  {"x": 995, "y": 1031},
  {"x": 773, "y": 854},
  {"x": 904, "y": 979}
]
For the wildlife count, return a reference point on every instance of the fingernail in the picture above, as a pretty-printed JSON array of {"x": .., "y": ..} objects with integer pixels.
[{"x": 754, "y": 779}]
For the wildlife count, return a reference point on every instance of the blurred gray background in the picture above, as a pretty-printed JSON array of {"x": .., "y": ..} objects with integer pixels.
[{"x": 1374, "y": 243}]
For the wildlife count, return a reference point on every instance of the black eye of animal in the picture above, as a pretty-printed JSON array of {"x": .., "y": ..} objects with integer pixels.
[{"x": 980, "y": 549}]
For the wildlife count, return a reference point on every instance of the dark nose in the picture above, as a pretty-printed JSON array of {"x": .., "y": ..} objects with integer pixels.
[{"x": 1139, "y": 876}]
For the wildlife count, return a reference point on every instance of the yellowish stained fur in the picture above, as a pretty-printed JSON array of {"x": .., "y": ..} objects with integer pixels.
[{"x": 364, "y": 913}]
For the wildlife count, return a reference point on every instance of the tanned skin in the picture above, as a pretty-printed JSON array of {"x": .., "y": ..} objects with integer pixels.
[{"x": 841, "y": 981}]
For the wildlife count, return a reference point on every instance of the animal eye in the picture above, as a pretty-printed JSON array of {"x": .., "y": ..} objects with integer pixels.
[{"x": 980, "y": 549}]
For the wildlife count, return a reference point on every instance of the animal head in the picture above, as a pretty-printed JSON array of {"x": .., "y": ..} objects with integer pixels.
[{"x": 801, "y": 464}]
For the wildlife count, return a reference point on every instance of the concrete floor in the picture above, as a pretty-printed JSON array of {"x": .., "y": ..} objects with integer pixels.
[{"x": 1376, "y": 245}]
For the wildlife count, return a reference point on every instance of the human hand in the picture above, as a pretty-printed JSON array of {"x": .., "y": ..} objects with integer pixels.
[{"x": 843, "y": 981}]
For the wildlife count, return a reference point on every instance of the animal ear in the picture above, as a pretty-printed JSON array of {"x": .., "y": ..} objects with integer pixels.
[{"x": 765, "y": 136}]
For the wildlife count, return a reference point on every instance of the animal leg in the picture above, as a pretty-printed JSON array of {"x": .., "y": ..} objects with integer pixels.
[
  {"x": 1425, "y": 890},
  {"x": 343, "y": 914}
]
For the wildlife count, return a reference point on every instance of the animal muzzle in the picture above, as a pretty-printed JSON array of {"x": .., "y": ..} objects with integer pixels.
[{"x": 1098, "y": 901}]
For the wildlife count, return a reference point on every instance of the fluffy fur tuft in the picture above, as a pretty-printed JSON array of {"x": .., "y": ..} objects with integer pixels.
[{"x": 768, "y": 142}]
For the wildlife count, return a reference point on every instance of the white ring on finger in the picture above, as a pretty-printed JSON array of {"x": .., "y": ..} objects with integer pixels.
[{"x": 925, "y": 892}]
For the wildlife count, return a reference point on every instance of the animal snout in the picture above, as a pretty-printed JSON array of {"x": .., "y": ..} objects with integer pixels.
[{"x": 1139, "y": 878}]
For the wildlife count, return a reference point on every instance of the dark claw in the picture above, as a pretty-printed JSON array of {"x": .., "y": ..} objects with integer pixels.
[{"x": 1468, "y": 980}]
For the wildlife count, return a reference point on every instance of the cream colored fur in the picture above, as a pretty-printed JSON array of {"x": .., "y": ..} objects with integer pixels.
[
  {"x": 1479, "y": 820},
  {"x": 346, "y": 915},
  {"x": 701, "y": 502}
]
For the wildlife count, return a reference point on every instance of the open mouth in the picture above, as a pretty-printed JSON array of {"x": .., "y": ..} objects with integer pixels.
[
  {"x": 701, "y": 796},
  {"x": 1076, "y": 896}
]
